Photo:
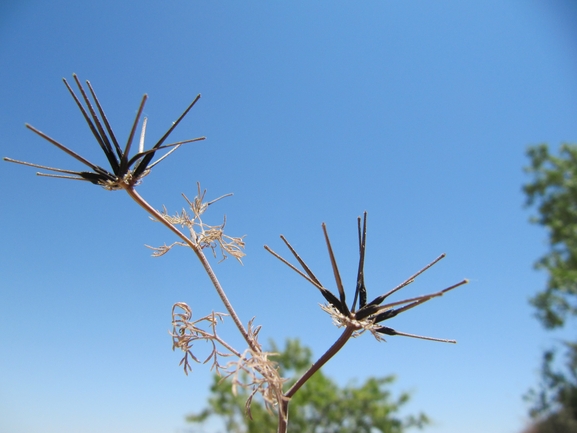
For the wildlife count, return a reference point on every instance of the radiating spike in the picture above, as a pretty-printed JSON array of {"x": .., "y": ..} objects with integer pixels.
[
  {"x": 138, "y": 156},
  {"x": 301, "y": 261},
  {"x": 380, "y": 299},
  {"x": 101, "y": 141},
  {"x": 142, "y": 135},
  {"x": 385, "y": 312},
  {"x": 105, "y": 119},
  {"x": 391, "y": 331},
  {"x": 336, "y": 273},
  {"x": 43, "y": 167},
  {"x": 62, "y": 147},
  {"x": 331, "y": 299},
  {"x": 57, "y": 176},
  {"x": 360, "y": 290},
  {"x": 58, "y": 170},
  {"x": 105, "y": 141},
  {"x": 294, "y": 268},
  {"x": 124, "y": 161}
]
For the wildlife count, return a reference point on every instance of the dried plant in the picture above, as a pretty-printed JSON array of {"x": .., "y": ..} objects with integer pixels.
[
  {"x": 252, "y": 368},
  {"x": 201, "y": 234},
  {"x": 185, "y": 331},
  {"x": 369, "y": 315},
  {"x": 262, "y": 373}
]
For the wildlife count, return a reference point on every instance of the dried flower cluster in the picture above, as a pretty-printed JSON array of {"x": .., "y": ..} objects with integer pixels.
[
  {"x": 262, "y": 374},
  {"x": 185, "y": 332},
  {"x": 201, "y": 234},
  {"x": 251, "y": 370}
]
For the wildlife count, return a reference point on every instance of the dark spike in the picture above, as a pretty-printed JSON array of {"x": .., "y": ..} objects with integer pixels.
[
  {"x": 379, "y": 299},
  {"x": 366, "y": 311},
  {"x": 390, "y": 331},
  {"x": 331, "y": 299},
  {"x": 345, "y": 309},
  {"x": 301, "y": 261},
  {"x": 388, "y": 314},
  {"x": 386, "y": 330},
  {"x": 63, "y": 148},
  {"x": 334, "y": 301},
  {"x": 95, "y": 178},
  {"x": 124, "y": 161},
  {"x": 360, "y": 290},
  {"x": 99, "y": 138},
  {"x": 105, "y": 119}
]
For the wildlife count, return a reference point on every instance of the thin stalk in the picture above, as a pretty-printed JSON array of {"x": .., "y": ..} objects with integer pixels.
[
  {"x": 283, "y": 415},
  {"x": 338, "y": 345},
  {"x": 203, "y": 260}
]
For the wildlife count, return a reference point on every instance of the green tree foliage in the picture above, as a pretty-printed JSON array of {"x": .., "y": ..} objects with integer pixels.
[
  {"x": 555, "y": 402},
  {"x": 553, "y": 191},
  {"x": 320, "y": 406}
]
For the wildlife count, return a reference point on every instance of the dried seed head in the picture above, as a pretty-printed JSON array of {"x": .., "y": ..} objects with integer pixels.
[
  {"x": 125, "y": 171},
  {"x": 368, "y": 315}
]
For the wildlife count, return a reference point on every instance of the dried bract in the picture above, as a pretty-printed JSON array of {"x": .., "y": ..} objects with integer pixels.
[
  {"x": 201, "y": 234},
  {"x": 185, "y": 332},
  {"x": 252, "y": 370},
  {"x": 256, "y": 372}
]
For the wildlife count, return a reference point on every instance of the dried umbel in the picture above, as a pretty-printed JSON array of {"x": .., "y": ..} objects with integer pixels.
[
  {"x": 125, "y": 171},
  {"x": 369, "y": 315}
]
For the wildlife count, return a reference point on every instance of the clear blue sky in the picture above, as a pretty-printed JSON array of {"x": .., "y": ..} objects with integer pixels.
[{"x": 418, "y": 112}]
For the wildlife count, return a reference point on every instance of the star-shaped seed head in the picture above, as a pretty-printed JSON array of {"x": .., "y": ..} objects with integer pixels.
[
  {"x": 369, "y": 315},
  {"x": 125, "y": 171}
]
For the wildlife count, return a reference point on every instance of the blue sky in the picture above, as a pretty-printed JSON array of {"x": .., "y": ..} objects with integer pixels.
[{"x": 417, "y": 112}]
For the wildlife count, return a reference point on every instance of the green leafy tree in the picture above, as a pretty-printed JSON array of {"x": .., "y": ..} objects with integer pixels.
[
  {"x": 553, "y": 191},
  {"x": 320, "y": 406}
]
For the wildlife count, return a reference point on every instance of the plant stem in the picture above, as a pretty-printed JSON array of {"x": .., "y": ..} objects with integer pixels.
[
  {"x": 347, "y": 333},
  {"x": 283, "y": 415}
]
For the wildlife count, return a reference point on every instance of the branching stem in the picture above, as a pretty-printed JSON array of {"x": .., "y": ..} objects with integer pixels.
[{"x": 203, "y": 260}]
